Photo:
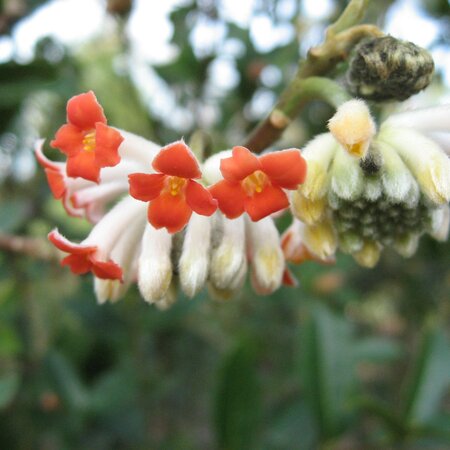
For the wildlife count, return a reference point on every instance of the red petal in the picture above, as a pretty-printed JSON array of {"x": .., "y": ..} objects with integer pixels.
[
  {"x": 56, "y": 182},
  {"x": 106, "y": 270},
  {"x": 107, "y": 142},
  {"x": 240, "y": 165},
  {"x": 63, "y": 244},
  {"x": 83, "y": 165},
  {"x": 289, "y": 278},
  {"x": 79, "y": 264},
  {"x": 84, "y": 111},
  {"x": 68, "y": 139},
  {"x": 169, "y": 211},
  {"x": 270, "y": 200},
  {"x": 285, "y": 168},
  {"x": 146, "y": 187},
  {"x": 230, "y": 197},
  {"x": 200, "y": 199},
  {"x": 42, "y": 159},
  {"x": 178, "y": 160}
]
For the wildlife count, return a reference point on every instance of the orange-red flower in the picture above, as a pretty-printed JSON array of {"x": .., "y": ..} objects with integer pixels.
[
  {"x": 84, "y": 258},
  {"x": 172, "y": 192},
  {"x": 255, "y": 184},
  {"x": 86, "y": 139}
]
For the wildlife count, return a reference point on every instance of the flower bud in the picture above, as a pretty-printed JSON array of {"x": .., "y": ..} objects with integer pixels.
[
  {"x": 369, "y": 254},
  {"x": 155, "y": 266},
  {"x": 194, "y": 261},
  {"x": 387, "y": 68}
]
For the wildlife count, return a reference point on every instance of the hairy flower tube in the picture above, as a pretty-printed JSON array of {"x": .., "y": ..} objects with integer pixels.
[
  {"x": 387, "y": 195},
  {"x": 86, "y": 139},
  {"x": 255, "y": 185},
  {"x": 172, "y": 192}
]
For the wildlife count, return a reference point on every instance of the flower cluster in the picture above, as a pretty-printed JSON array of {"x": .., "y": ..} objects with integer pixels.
[
  {"x": 170, "y": 224},
  {"x": 367, "y": 190},
  {"x": 165, "y": 220}
]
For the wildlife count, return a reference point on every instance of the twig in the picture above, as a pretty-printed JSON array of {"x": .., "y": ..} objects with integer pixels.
[
  {"x": 34, "y": 247},
  {"x": 340, "y": 38}
]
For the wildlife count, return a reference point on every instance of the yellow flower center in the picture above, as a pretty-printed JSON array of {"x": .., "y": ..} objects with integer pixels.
[
  {"x": 255, "y": 182},
  {"x": 89, "y": 142},
  {"x": 176, "y": 185}
]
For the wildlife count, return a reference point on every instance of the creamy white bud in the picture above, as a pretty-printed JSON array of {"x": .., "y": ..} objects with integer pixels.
[
  {"x": 440, "y": 222},
  {"x": 373, "y": 188},
  {"x": 265, "y": 254},
  {"x": 155, "y": 266},
  {"x": 319, "y": 154},
  {"x": 228, "y": 254},
  {"x": 406, "y": 245},
  {"x": 320, "y": 238},
  {"x": 396, "y": 177},
  {"x": 347, "y": 178},
  {"x": 194, "y": 261},
  {"x": 424, "y": 158},
  {"x": 369, "y": 254},
  {"x": 353, "y": 127}
]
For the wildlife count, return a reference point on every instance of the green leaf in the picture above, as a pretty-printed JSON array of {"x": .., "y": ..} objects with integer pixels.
[
  {"x": 327, "y": 368},
  {"x": 9, "y": 385},
  {"x": 67, "y": 382},
  {"x": 430, "y": 378},
  {"x": 376, "y": 350},
  {"x": 238, "y": 401}
]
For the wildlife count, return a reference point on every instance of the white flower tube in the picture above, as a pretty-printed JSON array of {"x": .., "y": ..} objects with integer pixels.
[
  {"x": 194, "y": 260},
  {"x": 265, "y": 255},
  {"x": 155, "y": 265}
]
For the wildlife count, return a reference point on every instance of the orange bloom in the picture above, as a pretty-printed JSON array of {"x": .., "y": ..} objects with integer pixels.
[
  {"x": 86, "y": 139},
  {"x": 255, "y": 184},
  {"x": 84, "y": 258},
  {"x": 172, "y": 192}
]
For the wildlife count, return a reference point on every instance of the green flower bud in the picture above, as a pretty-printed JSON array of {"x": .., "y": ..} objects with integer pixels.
[{"x": 389, "y": 69}]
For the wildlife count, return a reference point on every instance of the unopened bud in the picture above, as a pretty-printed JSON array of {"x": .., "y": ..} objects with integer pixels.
[{"x": 387, "y": 68}]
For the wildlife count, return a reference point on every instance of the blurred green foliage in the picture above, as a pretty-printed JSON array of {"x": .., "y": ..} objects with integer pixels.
[{"x": 352, "y": 359}]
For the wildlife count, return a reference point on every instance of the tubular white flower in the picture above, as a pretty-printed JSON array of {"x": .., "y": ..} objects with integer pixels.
[
  {"x": 320, "y": 238},
  {"x": 265, "y": 255},
  {"x": 137, "y": 148},
  {"x": 398, "y": 181},
  {"x": 347, "y": 178},
  {"x": 424, "y": 159},
  {"x": 106, "y": 233},
  {"x": 228, "y": 253},
  {"x": 435, "y": 118},
  {"x": 125, "y": 253},
  {"x": 155, "y": 265},
  {"x": 319, "y": 153},
  {"x": 194, "y": 261},
  {"x": 442, "y": 139}
]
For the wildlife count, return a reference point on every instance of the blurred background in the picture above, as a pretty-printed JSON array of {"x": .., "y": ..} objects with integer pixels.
[{"x": 352, "y": 359}]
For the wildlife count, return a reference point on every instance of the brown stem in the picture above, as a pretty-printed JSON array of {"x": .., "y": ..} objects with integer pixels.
[{"x": 34, "y": 247}]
